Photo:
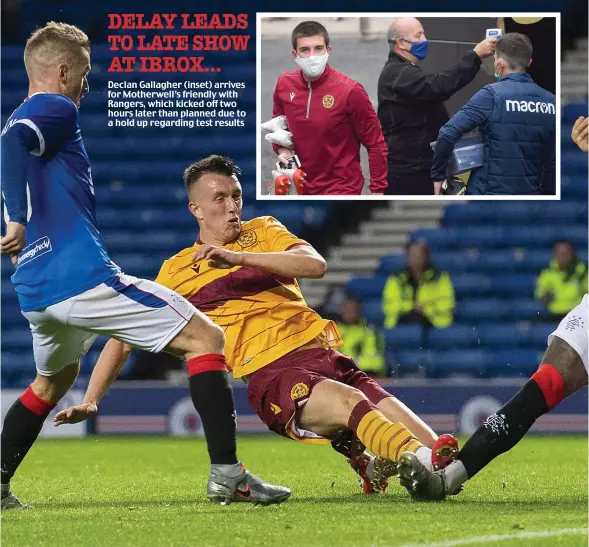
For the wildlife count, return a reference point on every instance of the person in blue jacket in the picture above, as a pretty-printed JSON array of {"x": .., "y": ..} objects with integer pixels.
[{"x": 517, "y": 119}]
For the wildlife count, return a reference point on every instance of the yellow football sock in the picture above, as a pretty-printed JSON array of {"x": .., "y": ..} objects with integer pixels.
[{"x": 381, "y": 436}]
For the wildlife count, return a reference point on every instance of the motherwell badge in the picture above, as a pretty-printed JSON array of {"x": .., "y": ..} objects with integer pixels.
[
  {"x": 247, "y": 239},
  {"x": 328, "y": 101},
  {"x": 299, "y": 391}
]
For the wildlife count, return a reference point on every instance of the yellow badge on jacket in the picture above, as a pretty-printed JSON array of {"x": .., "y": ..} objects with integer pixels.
[{"x": 328, "y": 101}]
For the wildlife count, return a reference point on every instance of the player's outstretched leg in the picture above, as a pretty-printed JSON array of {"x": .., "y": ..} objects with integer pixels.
[
  {"x": 333, "y": 405},
  {"x": 374, "y": 473},
  {"x": 443, "y": 449},
  {"x": 562, "y": 373},
  {"x": 201, "y": 342},
  {"x": 23, "y": 423},
  {"x": 421, "y": 483}
]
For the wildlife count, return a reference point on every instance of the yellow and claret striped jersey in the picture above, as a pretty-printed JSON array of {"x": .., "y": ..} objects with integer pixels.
[{"x": 264, "y": 315}]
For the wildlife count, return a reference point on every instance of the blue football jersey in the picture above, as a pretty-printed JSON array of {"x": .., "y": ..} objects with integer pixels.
[{"x": 64, "y": 253}]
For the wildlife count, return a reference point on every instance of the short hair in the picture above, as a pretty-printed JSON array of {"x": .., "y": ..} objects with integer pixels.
[
  {"x": 516, "y": 49},
  {"x": 564, "y": 242},
  {"x": 394, "y": 31},
  {"x": 307, "y": 29},
  {"x": 221, "y": 165},
  {"x": 418, "y": 241},
  {"x": 55, "y": 41}
]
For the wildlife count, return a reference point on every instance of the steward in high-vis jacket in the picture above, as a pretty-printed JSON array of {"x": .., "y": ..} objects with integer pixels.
[
  {"x": 563, "y": 284},
  {"x": 517, "y": 119},
  {"x": 362, "y": 342},
  {"x": 419, "y": 294}
]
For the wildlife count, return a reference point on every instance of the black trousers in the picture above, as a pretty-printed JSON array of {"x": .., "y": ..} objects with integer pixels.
[{"x": 410, "y": 184}]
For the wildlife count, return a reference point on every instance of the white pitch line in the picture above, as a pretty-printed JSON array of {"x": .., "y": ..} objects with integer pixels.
[{"x": 501, "y": 537}]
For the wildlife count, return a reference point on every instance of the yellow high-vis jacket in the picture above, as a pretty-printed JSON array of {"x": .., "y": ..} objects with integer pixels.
[
  {"x": 566, "y": 286},
  {"x": 434, "y": 292},
  {"x": 365, "y": 345}
]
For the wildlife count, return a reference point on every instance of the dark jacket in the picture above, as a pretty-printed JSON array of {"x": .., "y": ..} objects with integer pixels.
[
  {"x": 518, "y": 121},
  {"x": 520, "y": 140},
  {"x": 411, "y": 108}
]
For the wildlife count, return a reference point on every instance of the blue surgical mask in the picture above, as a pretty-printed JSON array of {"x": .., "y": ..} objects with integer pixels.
[{"x": 419, "y": 49}]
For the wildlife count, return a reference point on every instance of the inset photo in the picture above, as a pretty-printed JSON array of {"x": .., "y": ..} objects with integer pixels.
[{"x": 436, "y": 106}]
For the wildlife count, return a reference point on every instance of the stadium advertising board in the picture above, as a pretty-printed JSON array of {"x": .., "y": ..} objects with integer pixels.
[
  {"x": 73, "y": 397},
  {"x": 131, "y": 408}
]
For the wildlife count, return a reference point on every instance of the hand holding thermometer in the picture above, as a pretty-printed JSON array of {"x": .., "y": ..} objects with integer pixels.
[{"x": 493, "y": 33}]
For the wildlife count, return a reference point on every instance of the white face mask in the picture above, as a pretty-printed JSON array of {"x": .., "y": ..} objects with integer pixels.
[{"x": 312, "y": 66}]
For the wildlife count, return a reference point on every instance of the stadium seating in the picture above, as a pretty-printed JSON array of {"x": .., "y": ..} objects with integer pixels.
[
  {"x": 141, "y": 201},
  {"x": 494, "y": 252}
]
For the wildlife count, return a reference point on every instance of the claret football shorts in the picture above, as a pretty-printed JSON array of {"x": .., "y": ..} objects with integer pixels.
[{"x": 278, "y": 391}]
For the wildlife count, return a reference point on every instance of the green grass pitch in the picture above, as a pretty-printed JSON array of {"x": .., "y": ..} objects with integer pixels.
[{"x": 151, "y": 492}]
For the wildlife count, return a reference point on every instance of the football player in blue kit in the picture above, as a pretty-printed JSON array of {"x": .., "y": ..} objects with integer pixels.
[{"x": 70, "y": 291}]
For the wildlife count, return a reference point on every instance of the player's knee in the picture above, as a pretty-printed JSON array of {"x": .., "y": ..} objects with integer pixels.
[
  {"x": 350, "y": 397},
  {"x": 210, "y": 339},
  {"x": 200, "y": 336},
  {"x": 53, "y": 388},
  {"x": 214, "y": 338}
]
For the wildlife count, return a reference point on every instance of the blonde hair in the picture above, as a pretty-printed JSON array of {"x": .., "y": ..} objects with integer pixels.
[{"x": 55, "y": 43}]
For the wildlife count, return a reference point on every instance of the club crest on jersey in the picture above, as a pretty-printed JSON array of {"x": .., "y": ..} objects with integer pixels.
[
  {"x": 574, "y": 323},
  {"x": 247, "y": 239},
  {"x": 328, "y": 101},
  {"x": 292, "y": 95},
  {"x": 299, "y": 391}
]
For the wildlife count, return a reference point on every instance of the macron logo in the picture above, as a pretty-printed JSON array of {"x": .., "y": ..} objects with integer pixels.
[
  {"x": 530, "y": 106},
  {"x": 34, "y": 250},
  {"x": 292, "y": 96}
]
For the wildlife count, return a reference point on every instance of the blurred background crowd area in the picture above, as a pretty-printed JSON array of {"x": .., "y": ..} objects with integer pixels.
[{"x": 422, "y": 289}]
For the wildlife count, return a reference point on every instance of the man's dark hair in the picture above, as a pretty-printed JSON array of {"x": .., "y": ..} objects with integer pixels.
[
  {"x": 418, "y": 241},
  {"x": 306, "y": 29},
  {"x": 563, "y": 241},
  {"x": 221, "y": 165},
  {"x": 516, "y": 49}
]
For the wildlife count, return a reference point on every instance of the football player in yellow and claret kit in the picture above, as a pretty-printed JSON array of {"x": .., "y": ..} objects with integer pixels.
[{"x": 243, "y": 276}]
